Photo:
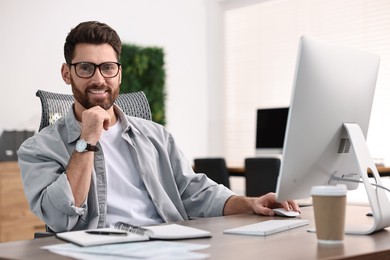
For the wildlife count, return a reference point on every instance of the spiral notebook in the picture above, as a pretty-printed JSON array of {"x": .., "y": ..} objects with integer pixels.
[{"x": 123, "y": 233}]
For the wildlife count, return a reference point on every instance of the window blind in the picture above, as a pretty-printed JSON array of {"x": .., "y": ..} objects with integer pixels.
[{"x": 260, "y": 50}]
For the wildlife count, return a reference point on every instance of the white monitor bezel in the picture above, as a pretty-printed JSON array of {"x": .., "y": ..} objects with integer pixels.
[{"x": 333, "y": 85}]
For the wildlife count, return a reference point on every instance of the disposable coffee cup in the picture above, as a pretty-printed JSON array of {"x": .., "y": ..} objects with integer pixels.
[{"x": 329, "y": 204}]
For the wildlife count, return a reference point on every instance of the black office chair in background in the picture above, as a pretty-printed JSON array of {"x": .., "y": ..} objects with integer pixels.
[
  {"x": 261, "y": 175},
  {"x": 214, "y": 168}
]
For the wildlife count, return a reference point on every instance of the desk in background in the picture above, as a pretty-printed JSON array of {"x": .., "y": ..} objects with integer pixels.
[
  {"x": 292, "y": 244},
  {"x": 240, "y": 171},
  {"x": 236, "y": 171}
]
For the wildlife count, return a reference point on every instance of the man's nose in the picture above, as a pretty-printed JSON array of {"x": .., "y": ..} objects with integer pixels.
[{"x": 97, "y": 77}]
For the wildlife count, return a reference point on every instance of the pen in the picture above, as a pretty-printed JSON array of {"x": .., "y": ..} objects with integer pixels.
[{"x": 107, "y": 233}]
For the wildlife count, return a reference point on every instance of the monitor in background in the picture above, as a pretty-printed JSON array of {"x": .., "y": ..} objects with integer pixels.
[
  {"x": 270, "y": 131},
  {"x": 327, "y": 124}
]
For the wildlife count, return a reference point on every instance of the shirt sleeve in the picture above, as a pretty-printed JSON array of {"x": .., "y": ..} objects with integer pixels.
[{"x": 45, "y": 183}]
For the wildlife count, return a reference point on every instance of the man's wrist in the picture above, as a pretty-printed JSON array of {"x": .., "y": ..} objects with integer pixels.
[
  {"x": 83, "y": 146},
  {"x": 239, "y": 204}
]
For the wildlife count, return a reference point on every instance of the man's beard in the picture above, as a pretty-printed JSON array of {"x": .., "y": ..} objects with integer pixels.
[{"x": 86, "y": 102}]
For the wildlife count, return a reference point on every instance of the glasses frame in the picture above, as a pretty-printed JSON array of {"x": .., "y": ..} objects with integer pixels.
[{"x": 95, "y": 66}]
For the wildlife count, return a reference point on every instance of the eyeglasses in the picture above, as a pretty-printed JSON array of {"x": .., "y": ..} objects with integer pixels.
[{"x": 87, "y": 69}]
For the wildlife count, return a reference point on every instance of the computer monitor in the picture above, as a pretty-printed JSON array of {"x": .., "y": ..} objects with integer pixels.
[
  {"x": 327, "y": 125},
  {"x": 270, "y": 131}
]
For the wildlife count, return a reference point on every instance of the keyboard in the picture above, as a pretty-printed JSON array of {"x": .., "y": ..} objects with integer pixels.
[{"x": 268, "y": 227}]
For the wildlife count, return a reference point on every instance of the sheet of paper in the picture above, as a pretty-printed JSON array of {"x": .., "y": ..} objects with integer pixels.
[
  {"x": 142, "y": 250},
  {"x": 175, "y": 231}
]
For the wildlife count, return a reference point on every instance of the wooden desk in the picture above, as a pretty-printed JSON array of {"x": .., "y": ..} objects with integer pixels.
[
  {"x": 383, "y": 171},
  {"x": 240, "y": 171},
  {"x": 236, "y": 171},
  {"x": 292, "y": 244}
]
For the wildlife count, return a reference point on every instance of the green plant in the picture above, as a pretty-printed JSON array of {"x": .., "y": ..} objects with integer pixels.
[{"x": 143, "y": 70}]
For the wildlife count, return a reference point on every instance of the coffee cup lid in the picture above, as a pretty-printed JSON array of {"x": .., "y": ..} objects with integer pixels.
[{"x": 329, "y": 190}]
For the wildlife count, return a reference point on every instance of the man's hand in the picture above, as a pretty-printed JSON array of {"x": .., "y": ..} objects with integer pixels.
[
  {"x": 94, "y": 120},
  {"x": 261, "y": 205}
]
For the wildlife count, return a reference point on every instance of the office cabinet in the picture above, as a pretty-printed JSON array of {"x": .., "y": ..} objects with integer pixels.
[{"x": 17, "y": 222}]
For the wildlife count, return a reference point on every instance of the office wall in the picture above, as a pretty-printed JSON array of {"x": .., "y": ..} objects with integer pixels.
[{"x": 31, "y": 51}]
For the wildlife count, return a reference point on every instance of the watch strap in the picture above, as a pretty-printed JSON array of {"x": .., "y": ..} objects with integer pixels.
[{"x": 91, "y": 148}]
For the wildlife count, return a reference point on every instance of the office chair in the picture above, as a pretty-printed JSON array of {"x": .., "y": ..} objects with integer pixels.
[
  {"x": 261, "y": 175},
  {"x": 214, "y": 168},
  {"x": 55, "y": 105}
]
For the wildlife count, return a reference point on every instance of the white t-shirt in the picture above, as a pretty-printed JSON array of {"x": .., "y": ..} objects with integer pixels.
[{"x": 127, "y": 197}]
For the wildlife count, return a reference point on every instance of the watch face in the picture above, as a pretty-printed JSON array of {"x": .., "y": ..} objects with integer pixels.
[{"x": 81, "y": 146}]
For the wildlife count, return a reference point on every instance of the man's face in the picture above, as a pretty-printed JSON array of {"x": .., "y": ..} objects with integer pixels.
[{"x": 96, "y": 90}]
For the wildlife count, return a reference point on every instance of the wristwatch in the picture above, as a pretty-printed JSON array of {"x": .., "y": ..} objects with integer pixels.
[{"x": 82, "y": 146}]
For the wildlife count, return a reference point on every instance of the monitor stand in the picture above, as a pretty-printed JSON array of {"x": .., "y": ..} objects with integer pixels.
[{"x": 377, "y": 197}]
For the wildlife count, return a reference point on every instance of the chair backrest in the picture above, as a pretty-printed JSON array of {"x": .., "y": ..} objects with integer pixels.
[
  {"x": 55, "y": 105},
  {"x": 261, "y": 175},
  {"x": 214, "y": 168}
]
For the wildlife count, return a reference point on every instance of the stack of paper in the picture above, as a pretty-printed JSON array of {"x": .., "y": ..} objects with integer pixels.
[{"x": 151, "y": 250}]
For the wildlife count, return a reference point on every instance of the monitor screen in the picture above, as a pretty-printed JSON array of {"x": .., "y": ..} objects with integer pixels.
[
  {"x": 270, "y": 130},
  {"x": 333, "y": 85}
]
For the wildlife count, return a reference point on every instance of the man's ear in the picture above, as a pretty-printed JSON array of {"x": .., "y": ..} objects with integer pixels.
[{"x": 65, "y": 72}]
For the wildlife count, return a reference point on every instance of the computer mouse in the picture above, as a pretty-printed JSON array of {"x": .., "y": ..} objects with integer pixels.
[{"x": 286, "y": 213}]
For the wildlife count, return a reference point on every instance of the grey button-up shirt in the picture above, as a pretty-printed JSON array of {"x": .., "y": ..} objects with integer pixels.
[{"x": 177, "y": 192}]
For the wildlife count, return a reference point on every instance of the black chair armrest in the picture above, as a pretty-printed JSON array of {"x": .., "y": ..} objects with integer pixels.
[{"x": 43, "y": 234}]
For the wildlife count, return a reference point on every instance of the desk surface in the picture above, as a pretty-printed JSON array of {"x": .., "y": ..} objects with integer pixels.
[{"x": 292, "y": 244}]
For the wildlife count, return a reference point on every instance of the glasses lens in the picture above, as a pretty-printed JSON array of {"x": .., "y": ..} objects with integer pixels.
[
  {"x": 85, "y": 69},
  {"x": 109, "y": 69}
]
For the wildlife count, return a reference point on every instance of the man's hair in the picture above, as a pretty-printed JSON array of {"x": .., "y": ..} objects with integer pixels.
[{"x": 91, "y": 32}]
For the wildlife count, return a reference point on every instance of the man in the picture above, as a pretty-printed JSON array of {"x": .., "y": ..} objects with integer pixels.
[{"x": 96, "y": 166}]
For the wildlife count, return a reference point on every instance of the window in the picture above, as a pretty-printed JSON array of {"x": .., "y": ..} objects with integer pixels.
[{"x": 261, "y": 42}]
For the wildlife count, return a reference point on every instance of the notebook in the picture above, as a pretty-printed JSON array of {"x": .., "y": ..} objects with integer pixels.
[
  {"x": 123, "y": 233},
  {"x": 268, "y": 227}
]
